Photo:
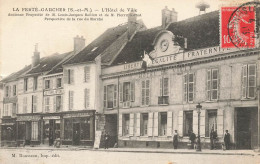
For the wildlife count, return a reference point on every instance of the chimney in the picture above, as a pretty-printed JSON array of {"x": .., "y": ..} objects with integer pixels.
[
  {"x": 131, "y": 24},
  {"x": 168, "y": 16},
  {"x": 79, "y": 43},
  {"x": 36, "y": 56}
]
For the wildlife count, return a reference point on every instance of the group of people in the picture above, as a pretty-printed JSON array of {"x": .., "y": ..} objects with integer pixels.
[{"x": 213, "y": 139}]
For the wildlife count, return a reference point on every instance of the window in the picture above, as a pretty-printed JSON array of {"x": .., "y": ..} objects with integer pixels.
[
  {"x": 35, "y": 83},
  {"x": 47, "y": 84},
  {"x": 68, "y": 129},
  {"x": 71, "y": 94},
  {"x": 110, "y": 96},
  {"x": 14, "y": 90},
  {"x": 126, "y": 124},
  {"x": 25, "y": 84},
  {"x": 86, "y": 74},
  {"x": 126, "y": 91},
  {"x": 7, "y": 91},
  {"x": 86, "y": 98},
  {"x": 145, "y": 92},
  {"x": 189, "y": 87},
  {"x": 144, "y": 124},
  {"x": 6, "y": 109},
  {"x": 211, "y": 122},
  {"x": 249, "y": 81},
  {"x": 212, "y": 84},
  {"x": 34, "y": 103},
  {"x": 25, "y": 105},
  {"x": 58, "y": 82},
  {"x": 162, "y": 124},
  {"x": 13, "y": 109},
  {"x": 47, "y": 104},
  {"x": 188, "y": 123},
  {"x": 86, "y": 129},
  {"x": 58, "y": 103},
  {"x": 164, "y": 91},
  {"x": 34, "y": 131},
  {"x": 70, "y": 76}
]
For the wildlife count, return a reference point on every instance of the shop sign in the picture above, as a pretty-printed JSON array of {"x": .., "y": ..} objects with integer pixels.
[
  {"x": 51, "y": 117},
  {"x": 77, "y": 115},
  {"x": 28, "y": 118},
  {"x": 53, "y": 92}
]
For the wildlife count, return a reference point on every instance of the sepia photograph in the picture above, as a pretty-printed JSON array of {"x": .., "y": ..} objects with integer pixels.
[{"x": 112, "y": 82}]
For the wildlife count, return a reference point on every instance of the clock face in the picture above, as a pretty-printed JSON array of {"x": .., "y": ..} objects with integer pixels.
[{"x": 164, "y": 45}]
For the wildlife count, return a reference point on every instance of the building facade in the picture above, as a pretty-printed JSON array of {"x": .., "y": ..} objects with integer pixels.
[{"x": 152, "y": 98}]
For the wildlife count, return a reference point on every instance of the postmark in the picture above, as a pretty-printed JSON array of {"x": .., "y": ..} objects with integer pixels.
[{"x": 238, "y": 26}]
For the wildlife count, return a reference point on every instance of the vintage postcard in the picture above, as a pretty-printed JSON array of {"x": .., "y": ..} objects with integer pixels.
[{"x": 112, "y": 81}]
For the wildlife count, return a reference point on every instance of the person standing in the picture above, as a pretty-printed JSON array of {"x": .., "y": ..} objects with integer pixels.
[
  {"x": 213, "y": 138},
  {"x": 106, "y": 140},
  {"x": 192, "y": 139},
  {"x": 227, "y": 140},
  {"x": 175, "y": 139}
]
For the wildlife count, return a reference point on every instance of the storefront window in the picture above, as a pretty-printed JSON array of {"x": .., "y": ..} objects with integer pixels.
[
  {"x": 46, "y": 130},
  {"x": 57, "y": 129},
  {"x": 21, "y": 131},
  {"x": 8, "y": 132},
  {"x": 68, "y": 129},
  {"x": 35, "y": 131},
  {"x": 85, "y": 129}
]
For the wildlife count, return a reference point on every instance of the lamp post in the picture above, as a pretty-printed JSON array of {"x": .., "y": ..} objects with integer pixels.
[{"x": 198, "y": 108}]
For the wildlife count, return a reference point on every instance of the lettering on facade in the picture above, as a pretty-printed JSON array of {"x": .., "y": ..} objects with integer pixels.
[
  {"x": 166, "y": 59},
  {"x": 131, "y": 66},
  {"x": 51, "y": 117},
  {"x": 147, "y": 75},
  {"x": 77, "y": 115},
  {"x": 53, "y": 92},
  {"x": 28, "y": 118}
]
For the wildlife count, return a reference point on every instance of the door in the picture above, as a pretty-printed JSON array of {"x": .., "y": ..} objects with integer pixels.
[
  {"x": 243, "y": 128},
  {"x": 51, "y": 132},
  {"x": 28, "y": 133},
  {"x": 76, "y": 133}
]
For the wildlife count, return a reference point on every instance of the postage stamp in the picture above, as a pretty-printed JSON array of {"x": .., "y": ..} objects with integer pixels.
[{"x": 238, "y": 27}]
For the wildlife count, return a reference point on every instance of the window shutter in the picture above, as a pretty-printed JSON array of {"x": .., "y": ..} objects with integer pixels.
[
  {"x": 105, "y": 96},
  {"x": 251, "y": 80},
  {"x": 35, "y": 103},
  {"x": 54, "y": 104},
  {"x": 71, "y": 100},
  {"x": 169, "y": 123},
  {"x": 86, "y": 74},
  {"x": 202, "y": 123},
  {"x": 121, "y": 92},
  {"x": 120, "y": 125},
  {"x": 147, "y": 94},
  {"x": 131, "y": 128},
  {"x": 137, "y": 124},
  {"x": 143, "y": 92},
  {"x": 180, "y": 123},
  {"x": 150, "y": 124},
  {"x": 185, "y": 88},
  {"x": 195, "y": 122},
  {"x": 166, "y": 86},
  {"x": 115, "y": 96},
  {"x": 191, "y": 87},
  {"x": 72, "y": 76},
  {"x": 220, "y": 122},
  {"x": 209, "y": 85},
  {"x": 65, "y": 76},
  {"x": 51, "y": 84},
  {"x": 214, "y": 86},
  {"x": 161, "y": 87},
  {"x": 61, "y": 103},
  {"x": 132, "y": 88},
  {"x": 155, "y": 124},
  {"x": 244, "y": 81}
]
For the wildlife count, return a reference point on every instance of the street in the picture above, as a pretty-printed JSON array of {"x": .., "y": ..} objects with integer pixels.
[{"x": 25, "y": 156}]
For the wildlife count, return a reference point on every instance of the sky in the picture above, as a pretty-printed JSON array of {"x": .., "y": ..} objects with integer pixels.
[{"x": 18, "y": 35}]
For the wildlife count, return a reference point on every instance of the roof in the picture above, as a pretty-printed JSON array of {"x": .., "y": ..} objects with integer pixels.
[
  {"x": 95, "y": 48},
  {"x": 189, "y": 28},
  {"x": 47, "y": 63},
  {"x": 15, "y": 75},
  {"x": 134, "y": 50}
]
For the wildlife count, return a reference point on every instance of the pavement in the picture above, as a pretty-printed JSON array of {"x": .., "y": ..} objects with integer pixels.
[{"x": 141, "y": 150}]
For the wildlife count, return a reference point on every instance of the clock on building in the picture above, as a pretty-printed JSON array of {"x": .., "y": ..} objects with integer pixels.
[{"x": 164, "y": 45}]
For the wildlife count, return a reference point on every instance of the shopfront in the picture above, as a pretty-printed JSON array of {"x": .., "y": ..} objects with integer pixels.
[
  {"x": 8, "y": 129},
  {"x": 51, "y": 129},
  {"x": 28, "y": 129},
  {"x": 79, "y": 128}
]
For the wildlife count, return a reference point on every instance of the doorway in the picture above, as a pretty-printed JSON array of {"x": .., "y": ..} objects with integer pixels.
[
  {"x": 246, "y": 128},
  {"x": 76, "y": 133},
  {"x": 111, "y": 128}
]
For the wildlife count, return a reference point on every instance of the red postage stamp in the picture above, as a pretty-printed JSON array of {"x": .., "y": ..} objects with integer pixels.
[{"x": 238, "y": 27}]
